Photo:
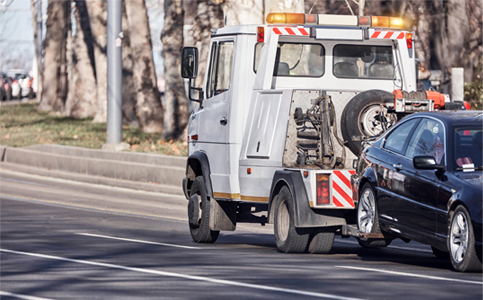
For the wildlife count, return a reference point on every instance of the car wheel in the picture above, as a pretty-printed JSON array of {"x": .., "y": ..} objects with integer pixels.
[
  {"x": 288, "y": 238},
  {"x": 367, "y": 218},
  {"x": 322, "y": 240},
  {"x": 362, "y": 117},
  {"x": 461, "y": 242},
  {"x": 199, "y": 213}
]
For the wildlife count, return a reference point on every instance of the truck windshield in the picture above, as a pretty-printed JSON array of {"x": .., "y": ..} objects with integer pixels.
[
  {"x": 298, "y": 60},
  {"x": 357, "y": 61}
]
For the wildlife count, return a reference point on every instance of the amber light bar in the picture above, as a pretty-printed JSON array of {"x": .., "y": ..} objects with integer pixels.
[{"x": 335, "y": 20}]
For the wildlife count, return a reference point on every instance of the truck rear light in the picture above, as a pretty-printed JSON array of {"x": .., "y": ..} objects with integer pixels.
[
  {"x": 365, "y": 21},
  {"x": 409, "y": 40},
  {"x": 311, "y": 19},
  {"x": 260, "y": 34},
  {"x": 323, "y": 189},
  {"x": 380, "y": 21}
]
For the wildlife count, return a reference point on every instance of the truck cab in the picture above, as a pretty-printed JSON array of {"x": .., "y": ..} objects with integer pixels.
[{"x": 281, "y": 112}]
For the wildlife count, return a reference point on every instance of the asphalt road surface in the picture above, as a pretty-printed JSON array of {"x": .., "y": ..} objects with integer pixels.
[{"x": 69, "y": 240}]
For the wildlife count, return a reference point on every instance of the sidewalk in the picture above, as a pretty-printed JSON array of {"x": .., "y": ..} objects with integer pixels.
[{"x": 140, "y": 171}]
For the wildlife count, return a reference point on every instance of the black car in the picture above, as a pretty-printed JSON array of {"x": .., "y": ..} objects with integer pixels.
[{"x": 422, "y": 180}]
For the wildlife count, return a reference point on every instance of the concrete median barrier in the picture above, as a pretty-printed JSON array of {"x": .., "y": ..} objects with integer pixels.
[{"x": 146, "y": 168}]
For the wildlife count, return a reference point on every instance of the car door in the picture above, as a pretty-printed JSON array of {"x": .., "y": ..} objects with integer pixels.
[
  {"x": 415, "y": 202},
  {"x": 387, "y": 159}
]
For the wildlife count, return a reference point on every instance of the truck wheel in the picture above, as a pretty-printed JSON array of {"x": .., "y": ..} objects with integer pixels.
[
  {"x": 361, "y": 117},
  {"x": 367, "y": 218},
  {"x": 288, "y": 238},
  {"x": 200, "y": 224},
  {"x": 461, "y": 242},
  {"x": 322, "y": 240}
]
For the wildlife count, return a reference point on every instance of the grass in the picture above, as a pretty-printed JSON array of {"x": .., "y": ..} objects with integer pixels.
[{"x": 22, "y": 125}]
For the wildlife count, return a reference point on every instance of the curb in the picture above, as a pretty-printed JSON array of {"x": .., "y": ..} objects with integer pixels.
[{"x": 142, "y": 171}]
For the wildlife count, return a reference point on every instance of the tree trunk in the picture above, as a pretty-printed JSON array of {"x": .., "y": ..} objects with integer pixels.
[
  {"x": 97, "y": 10},
  {"x": 176, "y": 103},
  {"x": 38, "y": 78},
  {"x": 148, "y": 108},
  {"x": 55, "y": 66},
  {"x": 128, "y": 86},
  {"x": 82, "y": 99}
]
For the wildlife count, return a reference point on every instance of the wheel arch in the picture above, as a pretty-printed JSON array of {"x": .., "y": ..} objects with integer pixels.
[{"x": 197, "y": 165}]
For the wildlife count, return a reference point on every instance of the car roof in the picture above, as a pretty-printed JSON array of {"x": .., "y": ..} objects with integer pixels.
[{"x": 454, "y": 117}]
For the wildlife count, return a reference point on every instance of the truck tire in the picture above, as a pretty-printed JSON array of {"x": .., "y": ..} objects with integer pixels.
[
  {"x": 322, "y": 240},
  {"x": 360, "y": 117},
  {"x": 200, "y": 231},
  {"x": 461, "y": 242},
  {"x": 368, "y": 219},
  {"x": 288, "y": 238}
]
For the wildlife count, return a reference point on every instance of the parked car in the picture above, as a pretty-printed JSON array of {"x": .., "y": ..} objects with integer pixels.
[
  {"x": 5, "y": 87},
  {"x": 422, "y": 180},
  {"x": 22, "y": 83}
]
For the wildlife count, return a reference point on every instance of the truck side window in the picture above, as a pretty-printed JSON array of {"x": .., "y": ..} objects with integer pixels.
[
  {"x": 298, "y": 60},
  {"x": 221, "y": 62},
  {"x": 357, "y": 61}
]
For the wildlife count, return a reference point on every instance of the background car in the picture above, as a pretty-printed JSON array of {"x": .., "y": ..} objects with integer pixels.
[
  {"x": 5, "y": 87},
  {"x": 24, "y": 82},
  {"x": 422, "y": 181}
]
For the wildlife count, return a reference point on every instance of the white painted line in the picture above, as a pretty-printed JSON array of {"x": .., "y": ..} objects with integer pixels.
[
  {"x": 138, "y": 241},
  {"x": 183, "y": 276},
  {"x": 2, "y": 293},
  {"x": 411, "y": 275}
]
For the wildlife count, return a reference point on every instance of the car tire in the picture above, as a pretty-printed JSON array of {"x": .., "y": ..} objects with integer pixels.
[
  {"x": 461, "y": 242},
  {"x": 367, "y": 217},
  {"x": 360, "y": 117},
  {"x": 322, "y": 240},
  {"x": 201, "y": 232},
  {"x": 288, "y": 238}
]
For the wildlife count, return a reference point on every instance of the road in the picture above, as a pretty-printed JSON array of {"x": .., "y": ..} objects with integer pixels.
[{"x": 69, "y": 240}]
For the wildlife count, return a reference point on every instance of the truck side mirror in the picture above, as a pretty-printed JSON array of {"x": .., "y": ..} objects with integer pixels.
[
  {"x": 189, "y": 69},
  {"x": 189, "y": 62}
]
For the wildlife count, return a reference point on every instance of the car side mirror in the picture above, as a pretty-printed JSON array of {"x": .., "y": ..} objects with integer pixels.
[
  {"x": 189, "y": 62},
  {"x": 426, "y": 163}
]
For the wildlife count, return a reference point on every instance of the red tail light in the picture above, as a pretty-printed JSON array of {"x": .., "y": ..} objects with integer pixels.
[
  {"x": 409, "y": 40},
  {"x": 260, "y": 34},
  {"x": 323, "y": 189}
]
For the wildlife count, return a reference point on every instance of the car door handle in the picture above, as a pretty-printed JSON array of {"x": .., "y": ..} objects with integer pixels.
[
  {"x": 223, "y": 121},
  {"x": 398, "y": 167}
]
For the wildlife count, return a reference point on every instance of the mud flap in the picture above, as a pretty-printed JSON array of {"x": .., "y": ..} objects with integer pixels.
[{"x": 222, "y": 215}]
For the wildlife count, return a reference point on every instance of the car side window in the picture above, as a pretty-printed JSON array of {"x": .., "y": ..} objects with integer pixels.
[
  {"x": 397, "y": 139},
  {"x": 221, "y": 61},
  {"x": 427, "y": 139}
]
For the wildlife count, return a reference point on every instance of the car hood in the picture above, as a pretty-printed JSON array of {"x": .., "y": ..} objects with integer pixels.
[{"x": 473, "y": 178}]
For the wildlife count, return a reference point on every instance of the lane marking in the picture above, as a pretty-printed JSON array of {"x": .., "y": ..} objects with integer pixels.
[
  {"x": 183, "y": 276},
  {"x": 2, "y": 293},
  {"x": 410, "y": 275},
  {"x": 137, "y": 241}
]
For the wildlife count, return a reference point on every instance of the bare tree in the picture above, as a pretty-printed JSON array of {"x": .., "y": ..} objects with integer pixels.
[
  {"x": 55, "y": 64},
  {"x": 176, "y": 103},
  {"x": 148, "y": 108},
  {"x": 33, "y": 5},
  {"x": 82, "y": 98},
  {"x": 97, "y": 10}
]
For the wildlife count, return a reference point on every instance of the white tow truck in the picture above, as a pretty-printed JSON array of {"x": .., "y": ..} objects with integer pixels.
[{"x": 280, "y": 118}]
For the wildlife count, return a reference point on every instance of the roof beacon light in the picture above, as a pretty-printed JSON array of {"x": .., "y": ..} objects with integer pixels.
[
  {"x": 335, "y": 20},
  {"x": 260, "y": 34}
]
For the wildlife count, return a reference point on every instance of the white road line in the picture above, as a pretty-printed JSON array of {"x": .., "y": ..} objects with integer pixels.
[
  {"x": 2, "y": 293},
  {"x": 137, "y": 241},
  {"x": 411, "y": 275},
  {"x": 183, "y": 276}
]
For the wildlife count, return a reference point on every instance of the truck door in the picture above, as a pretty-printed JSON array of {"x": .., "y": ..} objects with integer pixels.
[{"x": 214, "y": 113}]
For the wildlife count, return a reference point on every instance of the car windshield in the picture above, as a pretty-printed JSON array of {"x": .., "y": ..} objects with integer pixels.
[{"x": 468, "y": 148}]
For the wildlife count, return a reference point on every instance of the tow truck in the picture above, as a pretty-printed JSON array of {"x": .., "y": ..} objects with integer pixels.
[{"x": 282, "y": 112}]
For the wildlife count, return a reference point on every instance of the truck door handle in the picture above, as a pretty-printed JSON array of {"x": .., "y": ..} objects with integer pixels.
[
  {"x": 398, "y": 167},
  {"x": 223, "y": 121}
]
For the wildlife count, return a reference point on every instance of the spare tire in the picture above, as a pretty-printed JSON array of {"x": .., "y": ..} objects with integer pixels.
[{"x": 361, "y": 117}]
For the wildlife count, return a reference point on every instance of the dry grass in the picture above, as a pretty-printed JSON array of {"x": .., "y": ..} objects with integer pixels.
[{"x": 22, "y": 125}]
